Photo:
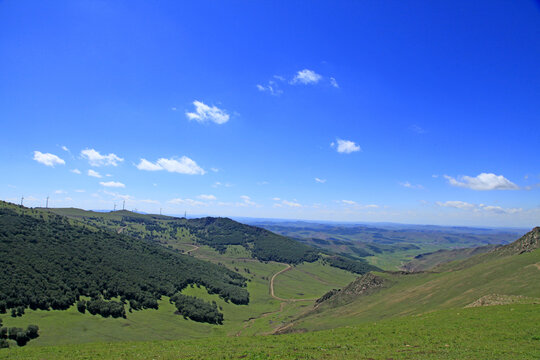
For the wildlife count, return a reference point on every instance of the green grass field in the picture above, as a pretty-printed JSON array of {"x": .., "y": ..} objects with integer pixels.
[
  {"x": 420, "y": 293},
  {"x": 310, "y": 281},
  {"x": 494, "y": 332}
]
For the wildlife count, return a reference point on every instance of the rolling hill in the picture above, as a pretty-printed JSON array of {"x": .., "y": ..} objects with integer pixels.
[{"x": 510, "y": 270}]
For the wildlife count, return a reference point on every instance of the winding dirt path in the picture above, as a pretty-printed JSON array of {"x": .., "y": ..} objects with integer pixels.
[
  {"x": 195, "y": 247},
  {"x": 289, "y": 267}
]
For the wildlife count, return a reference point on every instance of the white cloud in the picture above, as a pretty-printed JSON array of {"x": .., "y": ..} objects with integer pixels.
[
  {"x": 112, "y": 184},
  {"x": 148, "y": 166},
  {"x": 214, "y": 169},
  {"x": 65, "y": 148},
  {"x": 94, "y": 174},
  {"x": 306, "y": 77},
  {"x": 184, "y": 165},
  {"x": 218, "y": 184},
  {"x": 189, "y": 202},
  {"x": 60, "y": 192},
  {"x": 247, "y": 200},
  {"x": 408, "y": 185},
  {"x": 333, "y": 82},
  {"x": 354, "y": 204},
  {"x": 482, "y": 182},
  {"x": 291, "y": 204},
  {"x": 346, "y": 146},
  {"x": 207, "y": 197},
  {"x": 76, "y": 171},
  {"x": 80, "y": 190},
  {"x": 276, "y": 199},
  {"x": 479, "y": 207},
  {"x": 48, "y": 159},
  {"x": 321, "y": 181},
  {"x": 118, "y": 196},
  {"x": 272, "y": 88},
  {"x": 456, "y": 204},
  {"x": 96, "y": 159},
  {"x": 205, "y": 113}
]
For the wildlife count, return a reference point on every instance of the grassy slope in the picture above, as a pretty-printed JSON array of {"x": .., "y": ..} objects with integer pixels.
[
  {"x": 427, "y": 261},
  {"x": 496, "y": 332},
  {"x": 421, "y": 293}
]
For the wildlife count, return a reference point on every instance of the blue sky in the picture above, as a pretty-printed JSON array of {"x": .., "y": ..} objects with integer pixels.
[{"x": 416, "y": 112}]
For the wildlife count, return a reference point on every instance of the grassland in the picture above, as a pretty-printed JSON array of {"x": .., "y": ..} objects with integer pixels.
[
  {"x": 453, "y": 287},
  {"x": 495, "y": 332}
]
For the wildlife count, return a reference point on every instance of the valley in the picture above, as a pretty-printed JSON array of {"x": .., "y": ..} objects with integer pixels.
[{"x": 304, "y": 297}]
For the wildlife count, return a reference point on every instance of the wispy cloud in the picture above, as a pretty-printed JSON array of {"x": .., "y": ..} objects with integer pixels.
[
  {"x": 204, "y": 113},
  {"x": 462, "y": 205},
  {"x": 184, "y": 165},
  {"x": 207, "y": 197},
  {"x": 188, "y": 202},
  {"x": 94, "y": 174},
  {"x": 76, "y": 171},
  {"x": 354, "y": 204},
  {"x": 282, "y": 202},
  {"x": 115, "y": 184},
  {"x": 219, "y": 184},
  {"x": 408, "y": 185},
  {"x": 333, "y": 82},
  {"x": 320, "y": 181},
  {"x": 48, "y": 159},
  {"x": 272, "y": 88},
  {"x": 96, "y": 159},
  {"x": 345, "y": 146},
  {"x": 417, "y": 129},
  {"x": 247, "y": 200},
  {"x": 456, "y": 204},
  {"x": 306, "y": 77},
  {"x": 482, "y": 182}
]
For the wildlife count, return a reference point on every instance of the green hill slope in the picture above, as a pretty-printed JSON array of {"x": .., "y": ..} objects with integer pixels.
[
  {"x": 52, "y": 262},
  {"x": 484, "y": 333},
  {"x": 218, "y": 233},
  {"x": 136, "y": 260},
  {"x": 505, "y": 271},
  {"x": 428, "y": 261}
]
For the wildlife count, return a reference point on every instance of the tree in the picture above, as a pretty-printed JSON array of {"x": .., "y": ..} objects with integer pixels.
[
  {"x": 21, "y": 338},
  {"x": 4, "y": 343},
  {"x": 32, "y": 331},
  {"x": 81, "y": 306}
]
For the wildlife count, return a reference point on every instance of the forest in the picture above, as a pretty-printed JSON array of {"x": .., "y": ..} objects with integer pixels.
[{"x": 51, "y": 261}]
